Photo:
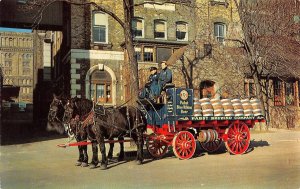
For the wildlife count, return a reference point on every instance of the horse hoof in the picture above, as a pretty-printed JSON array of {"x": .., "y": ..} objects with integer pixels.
[
  {"x": 78, "y": 163},
  {"x": 92, "y": 166},
  {"x": 103, "y": 167},
  {"x": 84, "y": 164},
  {"x": 139, "y": 162},
  {"x": 109, "y": 157}
]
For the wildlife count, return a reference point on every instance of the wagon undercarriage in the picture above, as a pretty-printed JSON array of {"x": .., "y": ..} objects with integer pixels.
[{"x": 211, "y": 134}]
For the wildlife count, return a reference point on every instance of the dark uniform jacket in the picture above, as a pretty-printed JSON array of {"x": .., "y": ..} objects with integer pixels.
[{"x": 165, "y": 76}]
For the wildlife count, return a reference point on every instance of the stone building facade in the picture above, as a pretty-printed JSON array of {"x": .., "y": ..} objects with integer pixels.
[
  {"x": 96, "y": 56},
  {"x": 17, "y": 63},
  {"x": 93, "y": 63},
  {"x": 221, "y": 74}
]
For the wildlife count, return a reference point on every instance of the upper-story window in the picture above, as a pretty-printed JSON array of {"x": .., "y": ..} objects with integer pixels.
[
  {"x": 181, "y": 31},
  {"x": 160, "y": 29},
  {"x": 137, "y": 26},
  {"x": 220, "y": 31},
  {"x": 11, "y": 42},
  {"x": 100, "y": 23}
]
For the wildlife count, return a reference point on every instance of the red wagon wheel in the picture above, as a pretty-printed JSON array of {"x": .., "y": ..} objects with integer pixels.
[
  {"x": 238, "y": 138},
  {"x": 156, "y": 147},
  {"x": 211, "y": 146},
  {"x": 184, "y": 145}
]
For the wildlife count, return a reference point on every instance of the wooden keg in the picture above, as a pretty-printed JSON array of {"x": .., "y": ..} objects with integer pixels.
[
  {"x": 229, "y": 112},
  {"x": 218, "y": 107},
  {"x": 219, "y": 112},
  {"x": 197, "y": 108},
  {"x": 207, "y": 108},
  {"x": 256, "y": 105},
  {"x": 227, "y": 107},
  {"x": 248, "y": 110},
  {"x": 202, "y": 100},
  {"x": 238, "y": 107},
  {"x": 209, "y": 135}
]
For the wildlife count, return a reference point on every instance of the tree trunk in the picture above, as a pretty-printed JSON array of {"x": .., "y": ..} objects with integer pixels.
[
  {"x": 259, "y": 91},
  {"x": 132, "y": 63}
]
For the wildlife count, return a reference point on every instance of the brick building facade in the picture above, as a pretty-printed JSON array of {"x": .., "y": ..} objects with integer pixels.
[{"x": 93, "y": 64}]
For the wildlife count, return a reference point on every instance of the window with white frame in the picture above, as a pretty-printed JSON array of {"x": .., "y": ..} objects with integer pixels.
[
  {"x": 160, "y": 29},
  {"x": 148, "y": 54},
  {"x": 220, "y": 31},
  {"x": 100, "y": 24},
  {"x": 137, "y": 26},
  {"x": 181, "y": 31}
]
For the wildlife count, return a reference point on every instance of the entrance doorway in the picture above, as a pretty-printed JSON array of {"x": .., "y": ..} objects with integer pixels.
[
  {"x": 207, "y": 89},
  {"x": 100, "y": 86}
]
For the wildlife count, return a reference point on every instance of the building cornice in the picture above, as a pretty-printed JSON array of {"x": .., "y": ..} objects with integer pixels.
[
  {"x": 97, "y": 54},
  {"x": 16, "y": 49}
]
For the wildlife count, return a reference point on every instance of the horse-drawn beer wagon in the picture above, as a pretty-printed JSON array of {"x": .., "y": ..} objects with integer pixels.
[
  {"x": 182, "y": 119},
  {"x": 176, "y": 120}
]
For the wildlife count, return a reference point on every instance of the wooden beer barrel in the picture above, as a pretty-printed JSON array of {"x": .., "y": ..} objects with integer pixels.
[
  {"x": 197, "y": 108},
  {"x": 256, "y": 105},
  {"x": 218, "y": 107},
  {"x": 238, "y": 107},
  {"x": 248, "y": 110},
  {"x": 207, "y": 108},
  {"x": 227, "y": 106}
]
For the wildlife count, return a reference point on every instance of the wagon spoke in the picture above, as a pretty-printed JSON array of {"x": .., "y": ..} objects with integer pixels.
[
  {"x": 155, "y": 147},
  {"x": 184, "y": 145},
  {"x": 238, "y": 141}
]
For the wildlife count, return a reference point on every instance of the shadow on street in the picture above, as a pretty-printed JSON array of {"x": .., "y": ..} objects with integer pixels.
[{"x": 21, "y": 132}]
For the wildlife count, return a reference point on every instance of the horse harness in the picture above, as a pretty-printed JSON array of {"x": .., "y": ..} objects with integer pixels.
[{"x": 89, "y": 119}]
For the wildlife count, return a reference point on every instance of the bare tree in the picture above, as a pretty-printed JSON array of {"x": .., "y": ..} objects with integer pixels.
[
  {"x": 270, "y": 42},
  {"x": 125, "y": 22}
]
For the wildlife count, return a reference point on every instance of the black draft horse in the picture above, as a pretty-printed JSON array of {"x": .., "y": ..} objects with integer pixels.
[
  {"x": 79, "y": 116},
  {"x": 110, "y": 123},
  {"x": 56, "y": 123},
  {"x": 55, "y": 115},
  {"x": 62, "y": 119}
]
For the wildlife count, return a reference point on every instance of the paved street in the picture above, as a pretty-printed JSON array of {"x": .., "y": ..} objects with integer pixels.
[{"x": 274, "y": 162}]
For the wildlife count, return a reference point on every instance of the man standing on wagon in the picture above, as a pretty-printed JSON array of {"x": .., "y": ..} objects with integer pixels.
[{"x": 165, "y": 76}]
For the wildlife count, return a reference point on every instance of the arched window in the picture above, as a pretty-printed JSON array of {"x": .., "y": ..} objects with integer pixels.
[
  {"x": 207, "y": 89},
  {"x": 181, "y": 31},
  {"x": 2, "y": 41},
  {"x": 220, "y": 31},
  {"x": 100, "y": 86},
  {"x": 11, "y": 42},
  {"x": 160, "y": 29},
  {"x": 7, "y": 41},
  {"x": 21, "y": 42},
  {"x": 137, "y": 26}
]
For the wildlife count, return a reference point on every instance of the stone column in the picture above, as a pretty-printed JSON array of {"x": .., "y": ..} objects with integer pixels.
[{"x": 74, "y": 78}]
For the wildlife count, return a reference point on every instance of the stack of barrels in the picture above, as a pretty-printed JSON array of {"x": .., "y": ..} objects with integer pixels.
[
  {"x": 218, "y": 108},
  {"x": 238, "y": 107},
  {"x": 207, "y": 108},
  {"x": 197, "y": 107},
  {"x": 248, "y": 109},
  {"x": 227, "y": 107},
  {"x": 256, "y": 107}
]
